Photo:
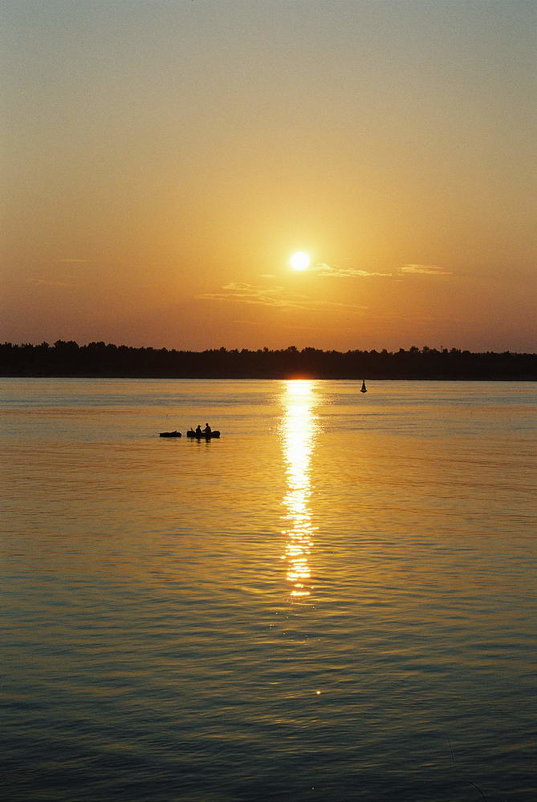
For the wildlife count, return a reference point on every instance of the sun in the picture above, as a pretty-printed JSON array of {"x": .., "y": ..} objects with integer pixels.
[{"x": 300, "y": 260}]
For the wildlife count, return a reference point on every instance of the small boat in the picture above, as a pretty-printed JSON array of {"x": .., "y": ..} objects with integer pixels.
[
  {"x": 364, "y": 388},
  {"x": 203, "y": 436},
  {"x": 170, "y": 434}
]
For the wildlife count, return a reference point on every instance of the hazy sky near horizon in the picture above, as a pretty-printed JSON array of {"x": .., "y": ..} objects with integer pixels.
[{"x": 162, "y": 159}]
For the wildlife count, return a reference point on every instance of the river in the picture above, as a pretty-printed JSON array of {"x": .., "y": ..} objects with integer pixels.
[{"x": 334, "y": 601}]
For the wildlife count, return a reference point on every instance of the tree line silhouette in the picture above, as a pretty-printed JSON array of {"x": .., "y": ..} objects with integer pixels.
[{"x": 99, "y": 359}]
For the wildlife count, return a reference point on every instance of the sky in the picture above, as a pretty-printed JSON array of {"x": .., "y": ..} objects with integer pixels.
[{"x": 163, "y": 159}]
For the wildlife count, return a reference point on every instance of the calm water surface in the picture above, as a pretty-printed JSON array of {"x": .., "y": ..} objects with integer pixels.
[{"x": 335, "y": 601}]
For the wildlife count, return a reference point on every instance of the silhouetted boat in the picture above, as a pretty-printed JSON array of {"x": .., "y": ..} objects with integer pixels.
[
  {"x": 170, "y": 434},
  {"x": 203, "y": 436},
  {"x": 364, "y": 388}
]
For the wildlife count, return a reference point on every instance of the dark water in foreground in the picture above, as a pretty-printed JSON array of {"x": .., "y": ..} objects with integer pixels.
[{"x": 336, "y": 601}]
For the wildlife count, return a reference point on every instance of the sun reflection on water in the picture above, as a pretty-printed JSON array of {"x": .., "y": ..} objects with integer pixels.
[{"x": 298, "y": 435}]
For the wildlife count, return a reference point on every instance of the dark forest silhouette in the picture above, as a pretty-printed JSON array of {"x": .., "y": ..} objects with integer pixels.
[{"x": 106, "y": 360}]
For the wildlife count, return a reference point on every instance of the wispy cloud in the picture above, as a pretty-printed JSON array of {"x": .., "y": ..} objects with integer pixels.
[
  {"x": 43, "y": 282},
  {"x": 331, "y": 271},
  {"x": 425, "y": 270},
  {"x": 322, "y": 269},
  {"x": 270, "y": 296},
  {"x": 250, "y": 294}
]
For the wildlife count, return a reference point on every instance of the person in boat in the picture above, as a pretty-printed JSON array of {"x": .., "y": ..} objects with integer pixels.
[
  {"x": 198, "y": 431},
  {"x": 207, "y": 429}
]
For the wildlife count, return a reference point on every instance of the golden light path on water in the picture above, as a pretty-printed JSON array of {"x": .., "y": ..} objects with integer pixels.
[{"x": 298, "y": 435}]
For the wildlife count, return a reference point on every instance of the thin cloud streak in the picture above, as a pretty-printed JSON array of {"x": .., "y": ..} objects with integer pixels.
[
  {"x": 42, "y": 282},
  {"x": 425, "y": 270},
  {"x": 322, "y": 269},
  {"x": 270, "y": 296}
]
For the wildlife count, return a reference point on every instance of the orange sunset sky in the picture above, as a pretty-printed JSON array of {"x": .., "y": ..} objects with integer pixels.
[{"x": 163, "y": 159}]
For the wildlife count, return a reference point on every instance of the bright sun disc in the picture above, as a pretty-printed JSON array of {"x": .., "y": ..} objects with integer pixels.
[{"x": 300, "y": 260}]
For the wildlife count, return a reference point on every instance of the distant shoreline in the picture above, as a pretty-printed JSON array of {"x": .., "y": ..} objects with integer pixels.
[
  {"x": 263, "y": 378},
  {"x": 101, "y": 360}
]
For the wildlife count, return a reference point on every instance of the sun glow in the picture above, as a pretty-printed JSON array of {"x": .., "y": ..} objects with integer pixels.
[{"x": 300, "y": 260}]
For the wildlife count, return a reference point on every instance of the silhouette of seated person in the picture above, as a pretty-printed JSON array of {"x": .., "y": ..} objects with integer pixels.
[
  {"x": 198, "y": 431},
  {"x": 207, "y": 429}
]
